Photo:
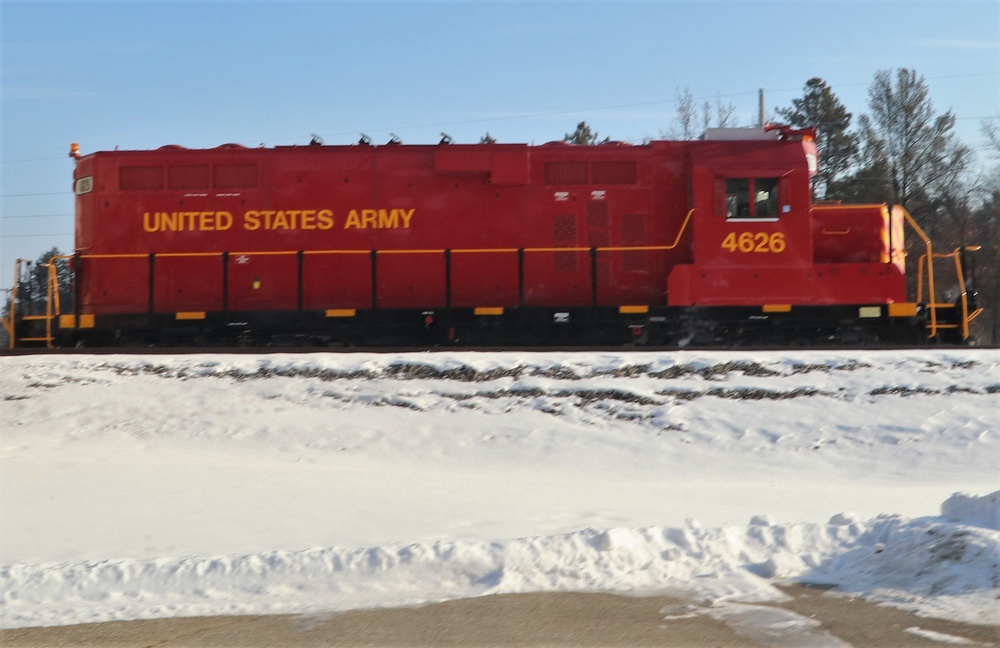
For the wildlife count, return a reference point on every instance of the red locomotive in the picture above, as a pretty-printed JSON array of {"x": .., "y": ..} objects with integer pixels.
[{"x": 710, "y": 242}]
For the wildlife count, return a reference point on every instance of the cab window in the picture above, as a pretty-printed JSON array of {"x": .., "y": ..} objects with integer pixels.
[{"x": 751, "y": 198}]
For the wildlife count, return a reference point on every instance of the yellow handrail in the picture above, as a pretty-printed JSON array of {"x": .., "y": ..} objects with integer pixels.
[
  {"x": 963, "y": 297},
  {"x": 8, "y": 323},
  {"x": 920, "y": 272},
  {"x": 53, "y": 307},
  {"x": 926, "y": 263}
]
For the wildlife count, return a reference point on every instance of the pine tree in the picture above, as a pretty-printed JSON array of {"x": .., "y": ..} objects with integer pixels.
[
  {"x": 986, "y": 230},
  {"x": 33, "y": 284},
  {"x": 584, "y": 136},
  {"x": 819, "y": 107}
]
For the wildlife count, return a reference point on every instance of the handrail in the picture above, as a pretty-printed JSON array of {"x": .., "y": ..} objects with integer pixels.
[
  {"x": 926, "y": 263},
  {"x": 8, "y": 323},
  {"x": 53, "y": 307},
  {"x": 920, "y": 272},
  {"x": 963, "y": 297}
]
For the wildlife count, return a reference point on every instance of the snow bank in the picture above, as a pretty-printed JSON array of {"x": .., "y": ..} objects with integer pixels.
[
  {"x": 977, "y": 511},
  {"x": 948, "y": 566}
]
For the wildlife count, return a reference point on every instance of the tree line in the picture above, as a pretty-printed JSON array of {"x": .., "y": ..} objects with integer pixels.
[{"x": 902, "y": 151}]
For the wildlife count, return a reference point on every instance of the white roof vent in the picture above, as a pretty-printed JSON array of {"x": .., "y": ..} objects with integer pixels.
[{"x": 722, "y": 134}]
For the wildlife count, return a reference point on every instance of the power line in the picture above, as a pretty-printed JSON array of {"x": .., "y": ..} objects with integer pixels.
[
  {"x": 48, "y": 159},
  {"x": 643, "y": 104},
  {"x": 26, "y": 195},
  {"x": 36, "y": 216},
  {"x": 14, "y": 236}
]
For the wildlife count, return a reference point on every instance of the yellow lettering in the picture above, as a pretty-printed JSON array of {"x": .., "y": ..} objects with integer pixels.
[
  {"x": 387, "y": 219},
  {"x": 281, "y": 219},
  {"x": 168, "y": 221},
  {"x": 747, "y": 242},
  {"x": 251, "y": 220}
]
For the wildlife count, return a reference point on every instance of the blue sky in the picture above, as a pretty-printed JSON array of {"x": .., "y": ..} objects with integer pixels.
[{"x": 144, "y": 74}]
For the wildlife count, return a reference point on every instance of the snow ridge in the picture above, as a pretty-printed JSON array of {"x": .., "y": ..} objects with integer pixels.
[{"x": 950, "y": 565}]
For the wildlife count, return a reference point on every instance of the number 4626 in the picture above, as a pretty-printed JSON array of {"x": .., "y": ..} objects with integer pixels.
[{"x": 755, "y": 242}]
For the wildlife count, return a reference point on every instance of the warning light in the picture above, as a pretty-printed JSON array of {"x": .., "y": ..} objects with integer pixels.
[{"x": 74, "y": 150}]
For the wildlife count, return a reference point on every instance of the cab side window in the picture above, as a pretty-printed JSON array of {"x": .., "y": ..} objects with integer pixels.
[
  {"x": 738, "y": 198},
  {"x": 751, "y": 198}
]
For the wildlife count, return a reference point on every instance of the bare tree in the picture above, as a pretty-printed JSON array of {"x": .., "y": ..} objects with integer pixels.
[
  {"x": 719, "y": 115},
  {"x": 921, "y": 152},
  {"x": 686, "y": 114},
  {"x": 725, "y": 114},
  {"x": 991, "y": 130}
]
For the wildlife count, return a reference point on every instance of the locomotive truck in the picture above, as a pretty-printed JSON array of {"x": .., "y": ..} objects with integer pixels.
[{"x": 713, "y": 242}]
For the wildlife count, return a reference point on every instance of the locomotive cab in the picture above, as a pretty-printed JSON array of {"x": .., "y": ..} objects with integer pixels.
[{"x": 752, "y": 228}]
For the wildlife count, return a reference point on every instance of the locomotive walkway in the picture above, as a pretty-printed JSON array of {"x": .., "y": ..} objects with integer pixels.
[{"x": 561, "y": 619}]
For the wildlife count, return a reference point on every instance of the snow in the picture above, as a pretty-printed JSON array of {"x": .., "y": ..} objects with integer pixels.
[
  {"x": 143, "y": 487},
  {"x": 938, "y": 636}
]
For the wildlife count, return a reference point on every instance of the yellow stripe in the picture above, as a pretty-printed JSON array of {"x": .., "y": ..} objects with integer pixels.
[
  {"x": 844, "y": 207},
  {"x": 489, "y": 310},
  {"x": 114, "y": 256},
  {"x": 337, "y": 252},
  {"x": 777, "y": 308},
  {"x": 632, "y": 310},
  {"x": 410, "y": 251},
  {"x": 341, "y": 312},
  {"x": 191, "y": 315},
  {"x": 484, "y": 250},
  {"x": 67, "y": 321},
  {"x": 902, "y": 309},
  {"x": 264, "y": 253},
  {"x": 87, "y": 320}
]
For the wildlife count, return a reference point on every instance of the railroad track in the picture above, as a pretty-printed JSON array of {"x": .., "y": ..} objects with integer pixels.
[{"x": 144, "y": 351}]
